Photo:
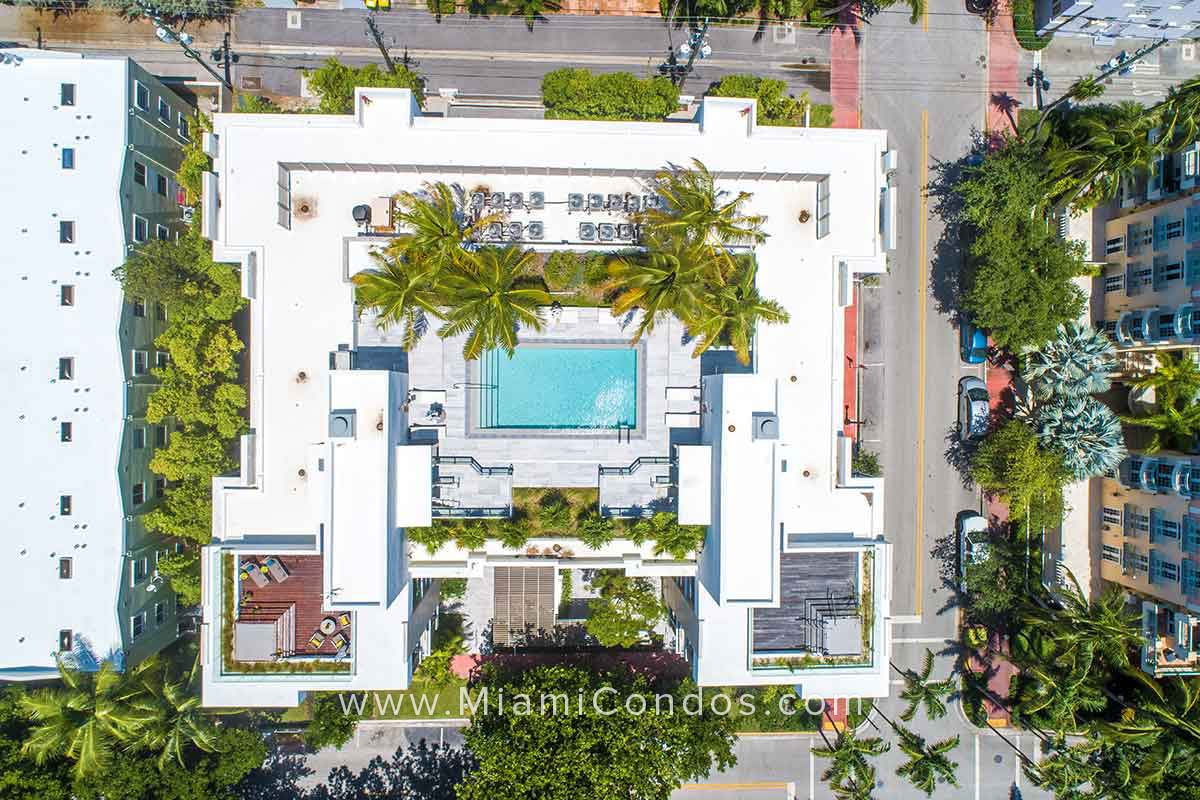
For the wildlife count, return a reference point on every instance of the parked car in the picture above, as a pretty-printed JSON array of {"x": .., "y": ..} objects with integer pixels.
[
  {"x": 973, "y": 545},
  {"x": 974, "y": 343},
  {"x": 974, "y": 408}
]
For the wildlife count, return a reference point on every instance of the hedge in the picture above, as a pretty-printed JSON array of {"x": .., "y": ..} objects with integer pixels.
[
  {"x": 571, "y": 93},
  {"x": 1024, "y": 27},
  {"x": 775, "y": 106}
]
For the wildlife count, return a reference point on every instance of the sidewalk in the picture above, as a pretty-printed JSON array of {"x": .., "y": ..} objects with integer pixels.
[
  {"x": 843, "y": 75},
  {"x": 1004, "y": 84}
]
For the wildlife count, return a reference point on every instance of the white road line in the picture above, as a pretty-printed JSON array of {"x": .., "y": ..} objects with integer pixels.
[
  {"x": 910, "y": 619},
  {"x": 930, "y": 640},
  {"x": 977, "y": 766},
  {"x": 812, "y": 772},
  {"x": 897, "y": 682},
  {"x": 1017, "y": 765}
]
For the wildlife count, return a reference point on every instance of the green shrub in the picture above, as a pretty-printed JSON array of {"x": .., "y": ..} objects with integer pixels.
[
  {"x": 554, "y": 513},
  {"x": 572, "y": 93},
  {"x": 441, "y": 8},
  {"x": 195, "y": 161},
  {"x": 820, "y": 115},
  {"x": 433, "y": 536},
  {"x": 512, "y": 534},
  {"x": 1025, "y": 27},
  {"x": 332, "y": 725},
  {"x": 434, "y": 668},
  {"x": 255, "y": 104},
  {"x": 595, "y": 269},
  {"x": 562, "y": 270},
  {"x": 865, "y": 463},
  {"x": 471, "y": 535},
  {"x": 775, "y": 106},
  {"x": 453, "y": 588},
  {"x": 668, "y": 535},
  {"x": 594, "y": 530},
  {"x": 334, "y": 83}
]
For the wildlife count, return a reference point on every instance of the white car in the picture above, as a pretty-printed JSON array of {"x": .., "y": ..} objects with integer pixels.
[
  {"x": 973, "y": 544},
  {"x": 974, "y": 409}
]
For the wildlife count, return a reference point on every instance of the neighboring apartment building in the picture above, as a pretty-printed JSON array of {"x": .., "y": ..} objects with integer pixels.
[
  {"x": 311, "y": 582},
  {"x": 92, "y": 145},
  {"x": 1149, "y": 530},
  {"x": 1109, "y": 20}
]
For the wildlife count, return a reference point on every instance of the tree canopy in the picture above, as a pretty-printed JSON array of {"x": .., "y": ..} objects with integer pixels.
[
  {"x": 626, "y": 611},
  {"x": 334, "y": 84},
  {"x": 590, "y": 755},
  {"x": 576, "y": 93}
]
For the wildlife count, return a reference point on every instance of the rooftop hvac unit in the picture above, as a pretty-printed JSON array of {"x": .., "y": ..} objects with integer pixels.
[
  {"x": 342, "y": 424},
  {"x": 765, "y": 425}
]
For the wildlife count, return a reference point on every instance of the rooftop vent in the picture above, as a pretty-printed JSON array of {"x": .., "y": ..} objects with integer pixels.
[
  {"x": 765, "y": 425},
  {"x": 304, "y": 207},
  {"x": 362, "y": 214},
  {"x": 341, "y": 424}
]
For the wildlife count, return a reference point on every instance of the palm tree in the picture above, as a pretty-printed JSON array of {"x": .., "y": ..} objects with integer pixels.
[
  {"x": 862, "y": 788},
  {"x": 491, "y": 302},
  {"x": 534, "y": 11},
  {"x": 695, "y": 208},
  {"x": 1106, "y": 626},
  {"x": 730, "y": 314},
  {"x": 1099, "y": 148},
  {"x": 673, "y": 275},
  {"x": 1180, "y": 114},
  {"x": 1085, "y": 431},
  {"x": 848, "y": 755},
  {"x": 1059, "y": 699},
  {"x": 1065, "y": 768},
  {"x": 402, "y": 290},
  {"x": 927, "y": 765},
  {"x": 90, "y": 716},
  {"x": 1077, "y": 361},
  {"x": 179, "y": 721},
  {"x": 1172, "y": 426},
  {"x": 438, "y": 226},
  {"x": 920, "y": 691},
  {"x": 1176, "y": 379}
]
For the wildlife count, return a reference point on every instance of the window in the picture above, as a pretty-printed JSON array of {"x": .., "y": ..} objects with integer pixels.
[
  {"x": 66, "y": 94},
  {"x": 139, "y": 173},
  {"x": 139, "y": 438},
  {"x": 139, "y": 569},
  {"x": 138, "y": 495},
  {"x": 66, "y": 231},
  {"x": 1111, "y": 554},
  {"x": 1112, "y": 516},
  {"x": 65, "y": 433},
  {"x": 160, "y": 435},
  {"x": 137, "y": 625},
  {"x": 66, "y": 369},
  {"x": 1114, "y": 283},
  {"x": 164, "y": 111},
  {"x": 160, "y": 613},
  {"x": 66, "y": 295},
  {"x": 64, "y": 569},
  {"x": 1167, "y": 529},
  {"x": 141, "y": 96},
  {"x": 161, "y": 233},
  {"x": 66, "y": 641},
  {"x": 1170, "y": 272},
  {"x": 139, "y": 307},
  {"x": 1114, "y": 245},
  {"x": 160, "y": 184},
  {"x": 185, "y": 129},
  {"x": 1189, "y": 162},
  {"x": 161, "y": 359},
  {"x": 160, "y": 487},
  {"x": 141, "y": 362},
  {"x": 141, "y": 229},
  {"x": 1139, "y": 561},
  {"x": 1166, "y": 570},
  {"x": 1175, "y": 229},
  {"x": 68, "y": 158},
  {"x": 160, "y": 312},
  {"x": 64, "y": 505}
]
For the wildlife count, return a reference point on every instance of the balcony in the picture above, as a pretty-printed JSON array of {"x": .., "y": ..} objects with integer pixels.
[
  {"x": 640, "y": 489},
  {"x": 1171, "y": 641},
  {"x": 464, "y": 488},
  {"x": 1131, "y": 328}
]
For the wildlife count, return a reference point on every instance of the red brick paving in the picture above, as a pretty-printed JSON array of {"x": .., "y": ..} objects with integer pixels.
[
  {"x": 1004, "y": 83},
  {"x": 850, "y": 371},
  {"x": 843, "y": 72}
]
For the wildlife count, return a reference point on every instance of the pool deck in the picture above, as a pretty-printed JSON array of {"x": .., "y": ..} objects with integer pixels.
[{"x": 538, "y": 460}]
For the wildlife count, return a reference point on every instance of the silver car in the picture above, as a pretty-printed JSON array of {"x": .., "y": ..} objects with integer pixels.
[
  {"x": 973, "y": 544},
  {"x": 974, "y": 409}
]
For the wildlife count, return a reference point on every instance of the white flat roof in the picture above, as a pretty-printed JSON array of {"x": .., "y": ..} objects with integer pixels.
[
  {"x": 414, "y": 486},
  {"x": 694, "y": 463}
]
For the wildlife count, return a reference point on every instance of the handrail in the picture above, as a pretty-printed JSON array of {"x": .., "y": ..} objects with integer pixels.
[
  {"x": 637, "y": 463},
  {"x": 475, "y": 465}
]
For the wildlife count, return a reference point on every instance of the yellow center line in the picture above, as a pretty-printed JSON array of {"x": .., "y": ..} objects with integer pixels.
[
  {"x": 923, "y": 269},
  {"x": 925, "y": 17}
]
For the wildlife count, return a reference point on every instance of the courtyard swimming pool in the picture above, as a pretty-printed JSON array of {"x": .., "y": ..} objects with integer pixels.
[{"x": 559, "y": 387}]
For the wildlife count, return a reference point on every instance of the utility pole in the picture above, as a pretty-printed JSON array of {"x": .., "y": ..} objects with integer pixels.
[
  {"x": 223, "y": 55},
  {"x": 387, "y": 59},
  {"x": 184, "y": 40},
  {"x": 696, "y": 45}
]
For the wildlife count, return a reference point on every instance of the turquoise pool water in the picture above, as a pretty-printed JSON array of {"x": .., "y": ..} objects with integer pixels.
[{"x": 559, "y": 386}]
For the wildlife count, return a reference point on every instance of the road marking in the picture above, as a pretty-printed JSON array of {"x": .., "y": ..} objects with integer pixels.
[
  {"x": 908, "y": 619},
  {"x": 812, "y": 772},
  {"x": 897, "y": 682},
  {"x": 923, "y": 171},
  {"x": 929, "y": 640},
  {"x": 1017, "y": 765},
  {"x": 977, "y": 766}
]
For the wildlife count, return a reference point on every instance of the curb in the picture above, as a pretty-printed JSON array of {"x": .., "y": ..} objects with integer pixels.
[{"x": 449, "y": 722}]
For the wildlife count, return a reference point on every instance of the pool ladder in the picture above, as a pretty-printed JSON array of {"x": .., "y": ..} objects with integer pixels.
[{"x": 628, "y": 430}]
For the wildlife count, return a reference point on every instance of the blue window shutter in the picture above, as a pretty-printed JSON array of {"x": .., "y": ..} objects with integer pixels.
[
  {"x": 1191, "y": 267},
  {"x": 1160, "y": 232},
  {"x": 1160, "y": 264},
  {"x": 1192, "y": 226}
]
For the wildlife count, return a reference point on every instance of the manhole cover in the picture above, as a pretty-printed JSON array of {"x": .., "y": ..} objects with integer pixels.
[{"x": 249, "y": 82}]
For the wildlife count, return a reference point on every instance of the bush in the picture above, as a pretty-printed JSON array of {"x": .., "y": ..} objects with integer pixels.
[
  {"x": 332, "y": 725},
  {"x": 554, "y": 513},
  {"x": 594, "y": 530},
  {"x": 513, "y": 534},
  {"x": 334, "y": 83},
  {"x": 626, "y": 611},
  {"x": 434, "y": 668},
  {"x": 595, "y": 269},
  {"x": 775, "y": 107},
  {"x": 471, "y": 535},
  {"x": 433, "y": 536},
  {"x": 255, "y": 104},
  {"x": 562, "y": 270},
  {"x": 453, "y": 588},
  {"x": 195, "y": 161},
  {"x": 865, "y": 463},
  {"x": 1025, "y": 28},
  {"x": 668, "y": 535},
  {"x": 572, "y": 93}
]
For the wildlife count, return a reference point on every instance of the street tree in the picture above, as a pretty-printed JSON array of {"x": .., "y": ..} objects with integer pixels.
[
  {"x": 1012, "y": 465},
  {"x": 849, "y": 772},
  {"x": 921, "y": 691},
  {"x": 927, "y": 764},
  {"x": 1077, "y": 361}
]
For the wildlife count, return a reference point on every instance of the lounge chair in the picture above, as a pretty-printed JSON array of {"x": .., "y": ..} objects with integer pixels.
[
  {"x": 343, "y": 619},
  {"x": 316, "y": 641},
  {"x": 338, "y": 641},
  {"x": 276, "y": 569},
  {"x": 252, "y": 571}
]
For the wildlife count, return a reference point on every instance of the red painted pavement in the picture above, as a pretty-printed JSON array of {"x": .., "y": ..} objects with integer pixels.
[
  {"x": 843, "y": 72},
  {"x": 1004, "y": 83},
  {"x": 850, "y": 373}
]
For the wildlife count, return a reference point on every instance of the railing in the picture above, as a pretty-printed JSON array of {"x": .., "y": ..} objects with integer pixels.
[
  {"x": 636, "y": 465},
  {"x": 481, "y": 512},
  {"x": 475, "y": 465}
]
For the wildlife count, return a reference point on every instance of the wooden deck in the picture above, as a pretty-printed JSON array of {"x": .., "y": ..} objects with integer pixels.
[
  {"x": 524, "y": 602},
  {"x": 303, "y": 589}
]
